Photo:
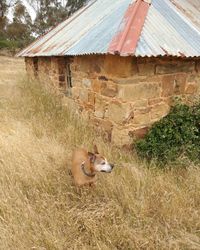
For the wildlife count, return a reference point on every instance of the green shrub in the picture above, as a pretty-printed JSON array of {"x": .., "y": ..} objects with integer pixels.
[
  {"x": 173, "y": 136},
  {"x": 6, "y": 44}
]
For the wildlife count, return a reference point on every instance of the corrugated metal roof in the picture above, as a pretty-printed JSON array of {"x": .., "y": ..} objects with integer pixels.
[
  {"x": 171, "y": 28},
  {"x": 168, "y": 32},
  {"x": 125, "y": 41}
]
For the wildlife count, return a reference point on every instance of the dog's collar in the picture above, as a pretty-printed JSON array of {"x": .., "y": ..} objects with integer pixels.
[{"x": 84, "y": 171}]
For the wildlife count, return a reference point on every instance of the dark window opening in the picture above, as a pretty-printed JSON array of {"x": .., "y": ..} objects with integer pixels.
[
  {"x": 35, "y": 66},
  {"x": 69, "y": 76}
]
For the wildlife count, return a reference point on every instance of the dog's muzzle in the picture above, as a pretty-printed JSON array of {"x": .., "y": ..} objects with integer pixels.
[{"x": 108, "y": 170}]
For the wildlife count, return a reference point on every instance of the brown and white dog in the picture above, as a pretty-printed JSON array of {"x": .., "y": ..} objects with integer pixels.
[{"x": 85, "y": 165}]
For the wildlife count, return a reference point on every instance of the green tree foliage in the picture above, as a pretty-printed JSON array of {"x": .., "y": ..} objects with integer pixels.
[
  {"x": 74, "y": 5},
  {"x": 3, "y": 19},
  {"x": 49, "y": 14},
  {"x": 176, "y": 135},
  {"x": 22, "y": 28}
]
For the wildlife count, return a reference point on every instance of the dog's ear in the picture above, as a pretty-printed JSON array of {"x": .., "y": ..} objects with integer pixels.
[
  {"x": 92, "y": 157},
  {"x": 96, "y": 149}
]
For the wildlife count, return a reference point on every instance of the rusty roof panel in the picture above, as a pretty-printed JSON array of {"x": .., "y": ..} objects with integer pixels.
[
  {"x": 171, "y": 28},
  {"x": 167, "y": 31},
  {"x": 125, "y": 41},
  {"x": 97, "y": 20},
  {"x": 97, "y": 40}
]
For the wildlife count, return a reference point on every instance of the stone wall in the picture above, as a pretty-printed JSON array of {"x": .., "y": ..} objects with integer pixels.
[
  {"x": 123, "y": 96},
  {"x": 47, "y": 69}
]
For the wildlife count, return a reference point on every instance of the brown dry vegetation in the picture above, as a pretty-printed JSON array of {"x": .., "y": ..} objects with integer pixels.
[{"x": 135, "y": 207}]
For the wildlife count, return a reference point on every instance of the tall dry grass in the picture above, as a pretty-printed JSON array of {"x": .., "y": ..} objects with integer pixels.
[{"x": 135, "y": 207}]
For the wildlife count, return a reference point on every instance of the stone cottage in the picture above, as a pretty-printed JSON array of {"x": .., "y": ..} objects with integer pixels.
[{"x": 121, "y": 62}]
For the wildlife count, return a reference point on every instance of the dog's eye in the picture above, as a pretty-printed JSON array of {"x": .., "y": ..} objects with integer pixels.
[{"x": 103, "y": 163}]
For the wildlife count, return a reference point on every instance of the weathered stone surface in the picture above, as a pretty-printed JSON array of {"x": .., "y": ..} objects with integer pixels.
[
  {"x": 135, "y": 79},
  {"x": 121, "y": 136},
  {"x": 75, "y": 92},
  {"x": 90, "y": 64},
  {"x": 143, "y": 103},
  {"x": 173, "y": 84},
  {"x": 118, "y": 112},
  {"x": 86, "y": 82},
  {"x": 180, "y": 82},
  {"x": 91, "y": 97},
  {"x": 98, "y": 85},
  {"x": 76, "y": 83},
  {"x": 140, "y": 133},
  {"x": 191, "y": 88},
  {"x": 109, "y": 89},
  {"x": 154, "y": 101},
  {"x": 142, "y": 117},
  {"x": 100, "y": 107},
  {"x": 139, "y": 91},
  {"x": 104, "y": 127},
  {"x": 158, "y": 111},
  {"x": 130, "y": 80},
  {"x": 83, "y": 95},
  {"x": 120, "y": 66},
  {"x": 146, "y": 69},
  {"x": 175, "y": 67}
]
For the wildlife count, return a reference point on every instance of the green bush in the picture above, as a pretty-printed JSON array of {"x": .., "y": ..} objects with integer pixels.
[
  {"x": 176, "y": 135},
  {"x": 6, "y": 44}
]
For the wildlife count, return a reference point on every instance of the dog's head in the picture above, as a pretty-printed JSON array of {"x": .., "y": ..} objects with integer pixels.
[{"x": 99, "y": 163}]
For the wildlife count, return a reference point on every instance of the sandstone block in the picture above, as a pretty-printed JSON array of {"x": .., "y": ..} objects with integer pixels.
[
  {"x": 159, "y": 111},
  {"x": 86, "y": 82},
  {"x": 90, "y": 64},
  {"x": 154, "y": 101},
  {"x": 173, "y": 84},
  {"x": 146, "y": 69},
  {"x": 142, "y": 117},
  {"x": 98, "y": 85},
  {"x": 100, "y": 107},
  {"x": 76, "y": 83},
  {"x": 139, "y": 91},
  {"x": 140, "y": 132},
  {"x": 140, "y": 103},
  {"x": 91, "y": 97},
  {"x": 121, "y": 136},
  {"x": 129, "y": 80},
  {"x": 191, "y": 88},
  {"x": 118, "y": 112},
  {"x": 83, "y": 95},
  {"x": 120, "y": 66},
  {"x": 75, "y": 92},
  {"x": 109, "y": 89},
  {"x": 104, "y": 127},
  {"x": 175, "y": 67}
]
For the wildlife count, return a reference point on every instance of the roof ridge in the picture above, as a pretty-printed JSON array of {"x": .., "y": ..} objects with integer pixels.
[{"x": 125, "y": 41}]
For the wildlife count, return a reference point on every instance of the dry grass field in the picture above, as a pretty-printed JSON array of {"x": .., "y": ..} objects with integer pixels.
[{"x": 135, "y": 207}]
